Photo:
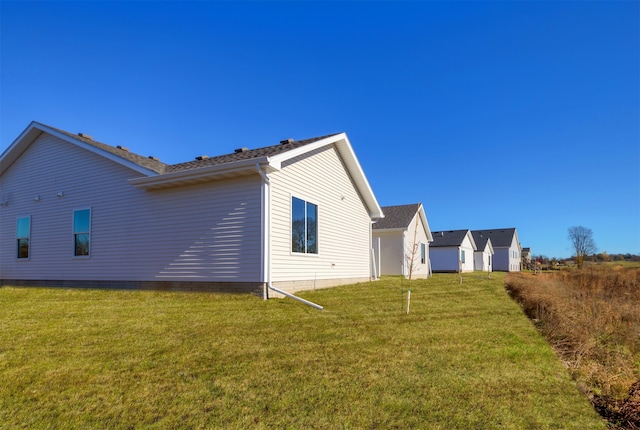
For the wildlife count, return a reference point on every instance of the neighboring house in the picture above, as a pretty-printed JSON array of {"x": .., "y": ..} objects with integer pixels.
[
  {"x": 76, "y": 212},
  {"x": 506, "y": 247},
  {"x": 483, "y": 255},
  {"x": 526, "y": 259},
  {"x": 452, "y": 251},
  {"x": 401, "y": 241}
]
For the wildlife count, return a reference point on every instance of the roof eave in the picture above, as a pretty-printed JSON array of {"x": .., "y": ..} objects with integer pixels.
[
  {"x": 344, "y": 148},
  {"x": 35, "y": 129},
  {"x": 205, "y": 174}
]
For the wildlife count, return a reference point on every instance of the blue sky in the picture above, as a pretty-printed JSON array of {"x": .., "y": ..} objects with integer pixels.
[{"x": 492, "y": 114}]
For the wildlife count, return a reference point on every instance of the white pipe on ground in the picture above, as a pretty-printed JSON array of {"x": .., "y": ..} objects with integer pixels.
[{"x": 306, "y": 302}]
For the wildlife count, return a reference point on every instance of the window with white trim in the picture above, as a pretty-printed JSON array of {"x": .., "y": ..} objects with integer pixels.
[
  {"x": 81, "y": 232},
  {"x": 423, "y": 253},
  {"x": 304, "y": 226},
  {"x": 462, "y": 255},
  {"x": 23, "y": 236}
]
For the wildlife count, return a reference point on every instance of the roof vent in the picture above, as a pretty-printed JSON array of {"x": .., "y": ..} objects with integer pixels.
[
  {"x": 202, "y": 157},
  {"x": 151, "y": 157},
  {"x": 122, "y": 148},
  {"x": 287, "y": 141},
  {"x": 239, "y": 150},
  {"x": 86, "y": 136}
]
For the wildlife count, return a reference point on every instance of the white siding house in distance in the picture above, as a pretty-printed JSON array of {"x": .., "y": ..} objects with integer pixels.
[
  {"x": 483, "y": 255},
  {"x": 401, "y": 241},
  {"x": 77, "y": 212},
  {"x": 452, "y": 251},
  {"x": 506, "y": 246}
]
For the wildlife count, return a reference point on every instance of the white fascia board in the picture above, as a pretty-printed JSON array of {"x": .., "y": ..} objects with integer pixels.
[
  {"x": 423, "y": 217},
  {"x": 473, "y": 242},
  {"x": 389, "y": 230},
  {"x": 490, "y": 246},
  {"x": 18, "y": 146},
  {"x": 341, "y": 141},
  {"x": 203, "y": 173},
  {"x": 33, "y": 131}
]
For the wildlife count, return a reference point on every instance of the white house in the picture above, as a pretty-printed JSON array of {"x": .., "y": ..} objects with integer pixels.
[
  {"x": 452, "y": 251},
  {"x": 77, "y": 212},
  {"x": 483, "y": 255},
  {"x": 507, "y": 248},
  {"x": 401, "y": 241}
]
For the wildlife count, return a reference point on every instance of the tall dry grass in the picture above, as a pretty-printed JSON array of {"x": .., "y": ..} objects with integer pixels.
[{"x": 592, "y": 318}]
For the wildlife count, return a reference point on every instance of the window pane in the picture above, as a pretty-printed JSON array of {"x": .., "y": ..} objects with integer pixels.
[
  {"x": 312, "y": 228},
  {"x": 298, "y": 228},
  {"x": 81, "y": 220},
  {"x": 423, "y": 251},
  {"x": 81, "y": 244},
  {"x": 24, "y": 225},
  {"x": 23, "y": 248}
]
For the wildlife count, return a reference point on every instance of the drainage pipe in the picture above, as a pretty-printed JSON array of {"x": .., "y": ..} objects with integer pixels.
[{"x": 306, "y": 302}]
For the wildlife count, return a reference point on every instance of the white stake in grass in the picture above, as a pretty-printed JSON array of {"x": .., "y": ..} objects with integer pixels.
[{"x": 408, "y": 299}]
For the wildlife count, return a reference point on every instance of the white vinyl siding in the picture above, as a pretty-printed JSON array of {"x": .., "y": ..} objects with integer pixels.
[
  {"x": 343, "y": 221},
  {"x": 420, "y": 270},
  {"x": 391, "y": 251},
  {"x": 205, "y": 232}
]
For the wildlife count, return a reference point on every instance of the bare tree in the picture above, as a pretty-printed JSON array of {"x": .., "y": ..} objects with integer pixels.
[
  {"x": 582, "y": 241},
  {"x": 412, "y": 252}
]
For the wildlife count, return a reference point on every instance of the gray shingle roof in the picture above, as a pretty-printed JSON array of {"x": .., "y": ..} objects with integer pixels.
[
  {"x": 146, "y": 162},
  {"x": 396, "y": 216},
  {"x": 160, "y": 167},
  {"x": 448, "y": 238},
  {"x": 480, "y": 239},
  {"x": 499, "y": 236},
  {"x": 267, "y": 151}
]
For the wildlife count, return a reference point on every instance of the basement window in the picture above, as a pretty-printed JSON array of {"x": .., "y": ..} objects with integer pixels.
[
  {"x": 81, "y": 232},
  {"x": 304, "y": 226},
  {"x": 23, "y": 236}
]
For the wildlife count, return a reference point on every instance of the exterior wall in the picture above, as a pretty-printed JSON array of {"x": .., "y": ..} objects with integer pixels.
[
  {"x": 507, "y": 259},
  {"x": 482, "y": 260},
  {"x": 419, "y": 236},
  {"x": 391, "y": 255},
  {"x": 445, "y": 259},
  {"x": 344, "y": 225},
  {"x": 515, "y": 260},
  {"x": 468, "y": 265},
  {"x": 207, "y": 232}
]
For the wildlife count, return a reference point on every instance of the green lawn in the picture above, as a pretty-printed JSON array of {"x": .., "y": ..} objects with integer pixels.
[{"x": 464, "y": 357}]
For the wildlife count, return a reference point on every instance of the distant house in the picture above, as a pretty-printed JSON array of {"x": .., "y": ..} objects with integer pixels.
[
  {"x": 507, "y": 248},
  {"x": 526, "y": 258},
  {"x": 401, "y": 241},
  {"x": 452, "y": 251},
  {"x": 483, "y": 255},
  {"x": 77, "y": 212}
]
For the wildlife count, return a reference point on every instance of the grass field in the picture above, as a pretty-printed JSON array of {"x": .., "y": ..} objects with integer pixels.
[{"x": 464, "y": 357}]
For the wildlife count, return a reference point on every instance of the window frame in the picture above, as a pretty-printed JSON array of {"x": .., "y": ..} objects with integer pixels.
[
  {"x": 462, "y": 256},
  {"x": 423, "y": 253},
  {"x": 19, "y": 238},
  {"x": 306, "y": 203},
  {"x": 74, "y": 233}
]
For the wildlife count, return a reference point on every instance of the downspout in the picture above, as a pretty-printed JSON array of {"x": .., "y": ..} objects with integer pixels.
[{"x": 266, "y": 239}]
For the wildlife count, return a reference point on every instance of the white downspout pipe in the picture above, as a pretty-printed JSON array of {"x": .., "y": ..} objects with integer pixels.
[{"x": 266, "y": 237}]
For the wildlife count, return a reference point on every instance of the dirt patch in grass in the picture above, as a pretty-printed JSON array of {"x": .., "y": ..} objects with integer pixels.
[{"x": 592, "y": 319}]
